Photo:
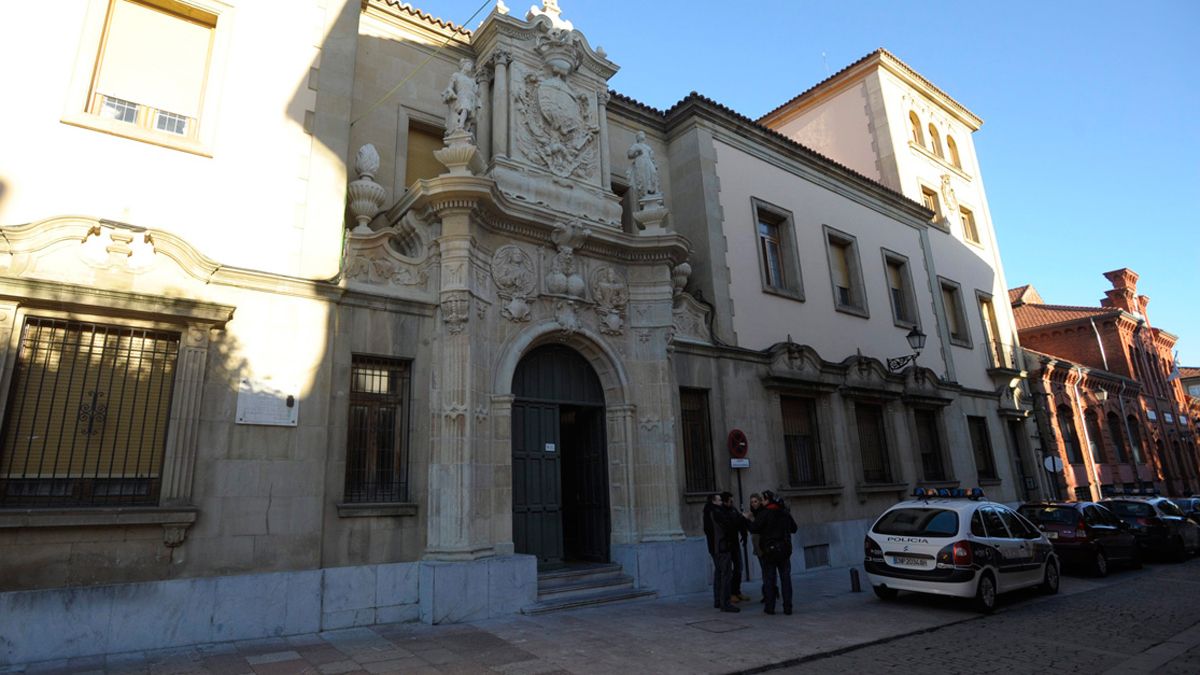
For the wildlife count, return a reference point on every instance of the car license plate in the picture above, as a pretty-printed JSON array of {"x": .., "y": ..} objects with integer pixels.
[
  {"x": 907, "y": 562},
  {"x": 1052, "y": 535}
]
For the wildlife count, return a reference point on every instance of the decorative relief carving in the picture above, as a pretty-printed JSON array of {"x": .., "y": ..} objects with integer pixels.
[
  {"x": 456, "y": 310},
  {"x": 649, "y": 423},
  {"x": 690, "y": 319},
  {"x": 455, "y": 412},
  {"x": 611, "y": 294},
  {"x": 370, "y": 270},
  {"x": 109, "y": 248},
  {"x": 174, "y": 534},
  {"x": 515, "y": 278},
  {"x": 481, "y": 413},
  {"x": 566, "y": 317},
  {"x": 563, "y": 278},
  {"x": 559, "y": 128}
]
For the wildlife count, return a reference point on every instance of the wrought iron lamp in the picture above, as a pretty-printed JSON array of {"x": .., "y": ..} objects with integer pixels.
[{"x": 916, "y": 340}]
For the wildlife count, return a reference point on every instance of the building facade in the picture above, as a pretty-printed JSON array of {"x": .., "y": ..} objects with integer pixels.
[
  {"x": 1108, "y": 406},
  {"x": 458, "y": 314}
]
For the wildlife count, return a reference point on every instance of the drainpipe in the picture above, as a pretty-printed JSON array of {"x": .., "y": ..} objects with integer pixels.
[
  {"x": 1088, "y": 460},
  {"x": 1099, "y": 343}
]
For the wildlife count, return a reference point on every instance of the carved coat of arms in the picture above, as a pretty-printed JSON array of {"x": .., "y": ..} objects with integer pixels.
[{"x": 561, "y": 126}]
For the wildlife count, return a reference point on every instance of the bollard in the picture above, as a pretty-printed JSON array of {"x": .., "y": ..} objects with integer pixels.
[{"x": 855, "y": 586}]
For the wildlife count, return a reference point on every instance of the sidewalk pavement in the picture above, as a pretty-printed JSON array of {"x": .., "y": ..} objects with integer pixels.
[{"x": 681, "y": 634}]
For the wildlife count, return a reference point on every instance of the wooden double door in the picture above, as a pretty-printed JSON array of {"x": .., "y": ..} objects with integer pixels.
[{"x": 560, "y": 473}]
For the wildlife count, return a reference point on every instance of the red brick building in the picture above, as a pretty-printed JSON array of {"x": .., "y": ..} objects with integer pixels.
[{"x": 1100, "y": 378}]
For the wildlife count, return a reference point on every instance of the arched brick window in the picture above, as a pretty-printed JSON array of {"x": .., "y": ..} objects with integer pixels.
[{"x": 1066, "y": 428}]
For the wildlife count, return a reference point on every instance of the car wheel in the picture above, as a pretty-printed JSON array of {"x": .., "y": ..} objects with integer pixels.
[
  {"x": 885, "y": 593},
  {"x": 1100, "y": 564},
  {"x": 1051, "y": 578},
  {"x": 985, "y": 594}
]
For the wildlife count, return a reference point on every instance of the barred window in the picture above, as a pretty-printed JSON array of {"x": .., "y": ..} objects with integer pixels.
[
  {"x": 981, "y": 443},
  {"x": 930, "y": 444},
  {"x": 801, "y": 442},
  {"x": 872, "y": 443},
  {"x": 377, "y": 447},
  {"x": 697, "y": 441},
  {"x": 86, "y": 422}
]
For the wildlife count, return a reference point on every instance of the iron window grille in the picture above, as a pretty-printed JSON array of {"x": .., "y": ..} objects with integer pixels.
[
  {"x": 932, "y": 467},
  {"x": 697, "y": 441},
  {"x": 981, "y": 444},
  {"x": 872, "y": 443},
  {"x": 377, "y": 444},
  {"x": 801, "y": 442},
  {"x": 87, "y": 416}
]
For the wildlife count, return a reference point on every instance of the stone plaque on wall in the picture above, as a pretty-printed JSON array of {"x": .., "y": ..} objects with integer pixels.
[{"x": 267, "y": 403}]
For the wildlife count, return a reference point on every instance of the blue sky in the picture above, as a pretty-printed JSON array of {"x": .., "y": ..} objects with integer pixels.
[{"x": 1090, "y": 146}]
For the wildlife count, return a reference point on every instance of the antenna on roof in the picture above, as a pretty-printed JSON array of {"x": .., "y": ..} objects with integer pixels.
[{"x": 825, "y": 62}]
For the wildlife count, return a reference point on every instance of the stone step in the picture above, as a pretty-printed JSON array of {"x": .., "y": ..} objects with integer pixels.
[
  {"x": 590, "y": 600},
  {"x": 585, "y": 586},
  {"x": 573, "y": 575}
]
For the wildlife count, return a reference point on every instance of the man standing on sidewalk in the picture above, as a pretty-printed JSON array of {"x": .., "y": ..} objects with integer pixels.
[
  {"x": 727, "y": 525},
  {"x": 775, "y": 526}
]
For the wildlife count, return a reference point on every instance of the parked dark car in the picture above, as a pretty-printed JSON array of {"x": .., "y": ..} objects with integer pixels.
[
  {"x": 1190, "y": 507},
  {"x": 1085, "y": 535},
  {"x": 1159, "y": 525}
]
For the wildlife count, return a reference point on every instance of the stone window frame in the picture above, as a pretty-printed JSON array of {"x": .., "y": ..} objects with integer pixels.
[
  {"x": 817, "y": 418},
  {"x": 193, "y": 320},
  {"x": 793, "y": 280},
  {"x": 858, "y": 290},
  {"x": 895, "y": 468},
  {"x": 963, "y": 340},
  {"x": 702, "y": 454},
  {"x": 967, "y": 214},
  {"x": 78, "y": 105},
  {"x": 908, "y": 290},
  {"x": 943, "y": 437},
  {"x": 989, "y": 450}
]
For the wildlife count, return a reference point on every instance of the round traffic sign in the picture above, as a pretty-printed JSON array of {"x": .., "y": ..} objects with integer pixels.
[
  {"x": 738, "y": 445},
  {"x": 1053, "y": 464}
]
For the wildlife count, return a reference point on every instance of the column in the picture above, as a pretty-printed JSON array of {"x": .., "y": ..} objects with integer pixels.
[
  {"x": 605, "y": 154},
  {"x": 500, "y": 106},
  {"x": 179, "y": 460},
  {"x": 459, "y": 478},
  {"x": 483, "y": 125}
]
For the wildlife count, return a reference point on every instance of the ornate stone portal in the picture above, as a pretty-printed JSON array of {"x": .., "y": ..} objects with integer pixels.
[{"x": 536, "y": 234}]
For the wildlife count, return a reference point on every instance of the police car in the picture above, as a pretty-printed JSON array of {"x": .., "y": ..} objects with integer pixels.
[{"x": 955, "y": 542}]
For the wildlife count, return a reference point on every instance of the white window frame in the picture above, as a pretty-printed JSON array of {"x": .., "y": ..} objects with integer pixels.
[
  {"x": 858, "y": 292},
  {"x": 78, "y": 102}
]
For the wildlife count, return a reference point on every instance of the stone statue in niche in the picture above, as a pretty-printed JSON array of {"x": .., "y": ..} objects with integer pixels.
[
  {"x": 643, "y": 173},
  {"x": 462, "y": 98}
]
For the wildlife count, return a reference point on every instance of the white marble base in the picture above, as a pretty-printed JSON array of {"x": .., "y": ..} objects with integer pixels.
[
  {"x": 668, "y": 567},
  {"x": 477, "y": 589}
]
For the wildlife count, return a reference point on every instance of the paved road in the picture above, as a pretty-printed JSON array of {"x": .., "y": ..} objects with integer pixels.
[{"x": 1145, "y": 621}]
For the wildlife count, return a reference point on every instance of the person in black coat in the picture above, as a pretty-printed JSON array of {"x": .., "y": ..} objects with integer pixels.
[
  {"x": 727, "y": 525},
  {"x": 774, "y": 527}
]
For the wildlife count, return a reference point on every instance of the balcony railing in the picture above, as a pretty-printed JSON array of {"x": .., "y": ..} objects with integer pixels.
[{"x": 1003, "y": 356}]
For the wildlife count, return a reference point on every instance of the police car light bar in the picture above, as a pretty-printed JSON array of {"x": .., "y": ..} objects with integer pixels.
[{"x": 973, "y": 494}]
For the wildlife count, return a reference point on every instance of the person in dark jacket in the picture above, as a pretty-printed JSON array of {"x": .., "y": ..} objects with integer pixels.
[
  {"x": 756, "y": 505},
  {"x": 775, "y": 526},
  {"x": 727, "y": 526},
  {"x": 735, "y": 592}
]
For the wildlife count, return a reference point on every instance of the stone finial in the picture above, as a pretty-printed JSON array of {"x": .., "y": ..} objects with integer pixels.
[
  {"x": 366, "y": 196},
  {"x": 679, "y": 278},
  {"x": 501, "y": 8},
  {"x": 550, "y": 10}
]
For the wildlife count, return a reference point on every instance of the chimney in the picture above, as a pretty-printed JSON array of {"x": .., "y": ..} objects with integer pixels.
[{"x": 1124, "y": 291}]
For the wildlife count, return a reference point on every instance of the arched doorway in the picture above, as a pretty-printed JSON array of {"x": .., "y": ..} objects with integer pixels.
[{"x": 559, "y": 459}]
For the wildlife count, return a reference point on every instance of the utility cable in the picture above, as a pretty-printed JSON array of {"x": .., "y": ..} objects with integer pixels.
[{"x": 416, "y": 70}]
